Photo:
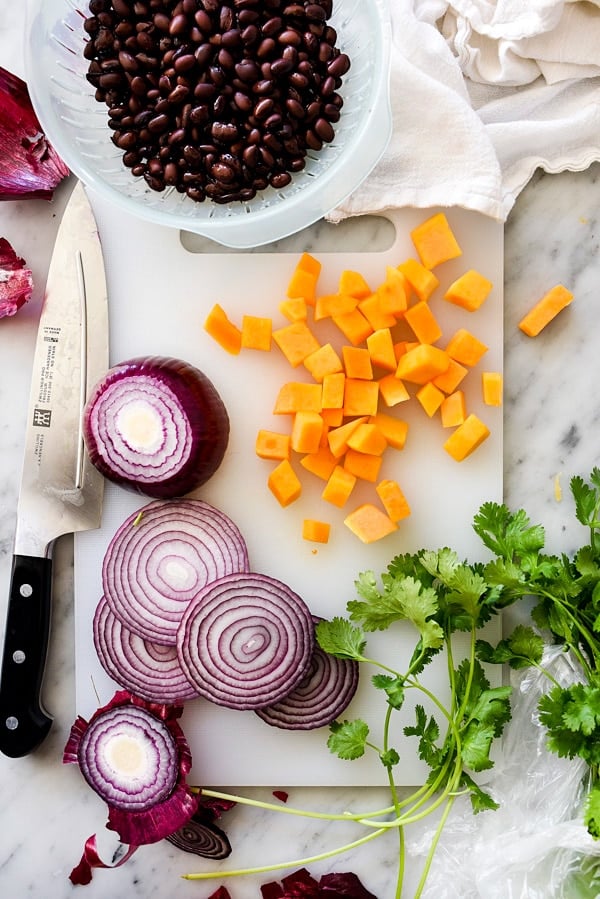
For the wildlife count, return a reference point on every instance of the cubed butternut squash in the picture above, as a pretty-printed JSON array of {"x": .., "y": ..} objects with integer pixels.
[
  {"x": 367, "y": 438},
  {"x": 357, "y": 362},
  {"x": 303, "y": 282},
  {"x": 322, "y": 362},
  {"x": 422, "y": 364},
  {"x": 491, "y": 383},
  {"x": 223, "y": 330},
  {"x": 467, "y": 438},
  {"x": 380, "y": 345},
  {"x": 306, "y": 432},
  {"x": 316, "y": 531},
  {"x": 423, "y": 322},
  {"x": 465, "y": 348},
  {"x": 393, "y": 500},
  {"x": 294, "y": 309},
  {"x": 360, "y": 397},
  {"x": 434, "y": 241},
  {"x": 256, "y": 333},
  {"x": 354, "y": 326},
  {"x": 430, "y": 398},
  {"x": 453, "y": 410},
  {"x": 393, "y": 429},
  {"x": 333, "y": 390},
  {"x": 284, "y": 483},
  {"x": 422, "y": 281},
  {"x": 298, "y": 396},
  {"x": 469, "y": 291},
  {"x": 321, "y": 463},
  {"x": 449, "y": 380},
  {"x": 392, "y": 390},
  {"x": 296, "y": 341},
  {"x": 339, "y": 486},
  {"x": 369, "y": 523},
  {"x": 393, "y": 293},
  {"x": 272, "y": 445},
  {"x": 353, "y": 284},
  {"x": 362, "y": 465},
  {"x": 544, "y": 311}
]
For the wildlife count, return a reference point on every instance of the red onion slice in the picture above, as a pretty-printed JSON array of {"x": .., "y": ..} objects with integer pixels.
[
  {"x": 129, "y": 757},
  {"x": 149, "y": 670},
  {"x": 321, "y": 696},
  {"x": 201, "y": 836},
  {"x": 161, "y": 557},
  {"x": 245, "y": 641},
  {"x": 156, "y": 425}
]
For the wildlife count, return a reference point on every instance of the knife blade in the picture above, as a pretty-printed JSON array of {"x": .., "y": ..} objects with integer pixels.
[{"x": 60, "y": 492}]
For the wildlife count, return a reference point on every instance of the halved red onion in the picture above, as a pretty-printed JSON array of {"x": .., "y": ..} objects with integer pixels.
[
  {"x": 129, "y": 758},
  {"x": 161, "y": 557},
  {"x": 321, "y": 696},
  {"x": 150, "y": 670},
  {"x": 156, "y": 425},
  {"x": 246, "y": 640}
]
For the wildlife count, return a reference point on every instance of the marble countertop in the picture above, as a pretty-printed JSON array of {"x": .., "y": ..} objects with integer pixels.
[{"x": 551, "y": 414}]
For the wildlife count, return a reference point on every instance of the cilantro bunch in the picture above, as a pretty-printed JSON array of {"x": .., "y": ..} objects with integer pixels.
[{"x": 442, "y": 598}]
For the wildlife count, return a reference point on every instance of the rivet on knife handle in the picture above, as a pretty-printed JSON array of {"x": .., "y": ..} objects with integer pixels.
[{"x": 23, "y": 722}]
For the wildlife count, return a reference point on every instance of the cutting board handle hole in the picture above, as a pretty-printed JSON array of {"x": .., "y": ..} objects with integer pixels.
[{"x": 358, "y": 234}]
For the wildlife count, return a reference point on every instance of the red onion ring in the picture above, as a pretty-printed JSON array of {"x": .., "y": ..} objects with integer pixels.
[
  {"x": 201, "y": 836},
  {"x": 321, "y": 696},
  {"x": 245, "y": 641},
  {"x": 161, "y": 557},
  {"x": 156, "y": 425},
  {"x": 149, "y": 670}
]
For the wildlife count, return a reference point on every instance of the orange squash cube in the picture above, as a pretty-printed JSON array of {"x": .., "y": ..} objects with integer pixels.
[
  {"x": 362, "y": 465},
  {"x": 367, "y": 438},
  {"x": 360, "y": 397},
  {"x": 284, "y": 483},
  {"x": 465, "y": 348},
  {"x": 422, "y": 281},
  {"x": 422, "y": 364},
  {"x": 393, "y": 500},
  {"x": 491, "y": 382},
  {"x": 469, "y": 291},
  {"x": 223, "y": 330},
  {"x": 256, "y": 333},
  {"x": 369, "y": 523},
  {"x": 434, "y": 241},
  {"x": 357, "y": 362},
  {"x": 339, "y": 486},
  {"x": 321, "y": 463},
  {"x": 296, "y": 341},
  {"x": 272, "y": 445},
  {"x": 453, "y": 410},
  {"x": 306, "y": 432},
  {"x": 380, "y": 345},
  {"x": 466, "y": 438},
  {"x": 392, "y": 390},
  {"x": 322, "y": 362},
  {"x": 316, "y": 531},
  {"x": 430, "y": 398},
  {"x": 393, "y": 429},
  {"x": 298, "y": 396}
]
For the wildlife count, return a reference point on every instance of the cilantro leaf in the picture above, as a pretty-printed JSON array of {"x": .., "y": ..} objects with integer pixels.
[
  {"x": 348, "y": 739},
  {"x": 340, "y": 638},
  {"x": 587, "y": 499},
  {"x": 403, "y": 598},
  {"x": 480, "y": 800},
  {"x": 569, "y": 715},
  {"x": 476, "y": 744},
  {"x": 393, "y": 687},
  {"x": 428, "y": 731},
  {"x": 507, "y": 534},
  {"x": 520, "y": 650}
]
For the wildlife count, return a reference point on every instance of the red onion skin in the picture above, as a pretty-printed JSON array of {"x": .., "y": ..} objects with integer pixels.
[{"x": 204, "y": 409}]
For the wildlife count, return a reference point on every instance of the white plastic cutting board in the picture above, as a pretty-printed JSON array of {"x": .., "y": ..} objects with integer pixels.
[{"x": 159, "y": 297}]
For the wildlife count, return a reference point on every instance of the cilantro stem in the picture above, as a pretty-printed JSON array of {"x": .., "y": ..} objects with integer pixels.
[
  {"x": 290, "y": 810},
  {"x": 296, "y": 863},
  {"x": 433, "y": 847}
]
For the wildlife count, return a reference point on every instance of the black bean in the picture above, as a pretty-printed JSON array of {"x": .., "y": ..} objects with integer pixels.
[
  {"x": 158, "y": 124},
  {"x": 179, "y": 93},
  {"x": 280, "y": 179},
  {"x": 184, "y": 63},
  {"x": 202, "y": 20},
  {"x": 323, "y": 129}
]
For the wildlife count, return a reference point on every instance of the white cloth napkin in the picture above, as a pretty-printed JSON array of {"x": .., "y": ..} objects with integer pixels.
[{"x": 484, "y": 92}]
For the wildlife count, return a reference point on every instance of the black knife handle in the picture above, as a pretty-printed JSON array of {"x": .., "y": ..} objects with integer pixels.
[{"x": 23, "y": 721}]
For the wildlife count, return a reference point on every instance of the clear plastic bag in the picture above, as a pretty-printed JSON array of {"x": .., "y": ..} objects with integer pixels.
[{"x": 535, "y": 846}]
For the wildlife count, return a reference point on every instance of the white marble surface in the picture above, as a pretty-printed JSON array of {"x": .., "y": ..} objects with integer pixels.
[{"x": 552, "y": 407}]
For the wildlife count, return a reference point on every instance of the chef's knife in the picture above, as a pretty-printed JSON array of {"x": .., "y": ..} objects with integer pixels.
[{"x": 60, "y": 490}]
